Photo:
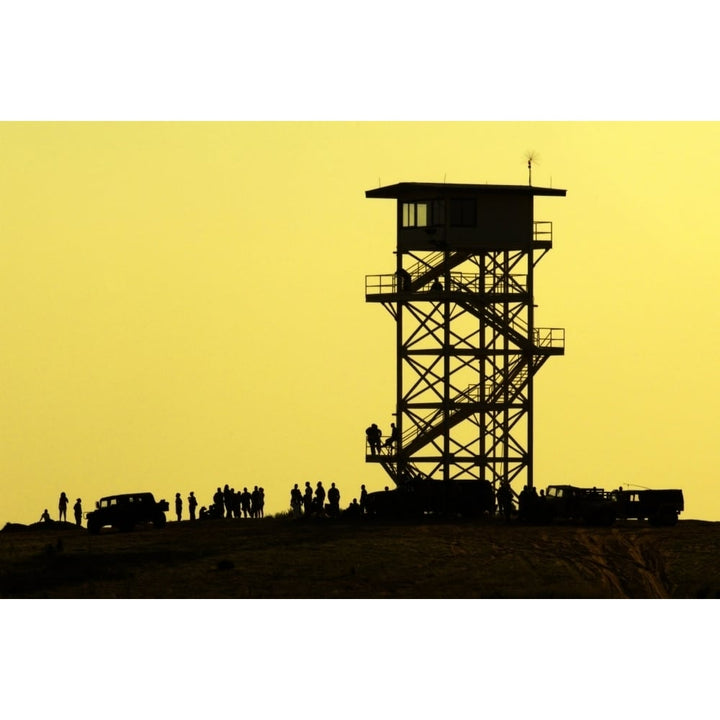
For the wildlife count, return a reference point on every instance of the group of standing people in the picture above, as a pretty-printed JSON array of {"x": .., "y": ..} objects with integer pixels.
[
  {"x": 62, "y": 510},
  {"x": 227, "y": 503},
  {"x": 373, "y": 435},
  {"x": 308, "y": 502},
  {"x": 311, "y": 503}
]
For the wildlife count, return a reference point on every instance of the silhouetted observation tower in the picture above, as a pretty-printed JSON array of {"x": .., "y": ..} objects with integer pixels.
[{"x": 467, "y": 349}]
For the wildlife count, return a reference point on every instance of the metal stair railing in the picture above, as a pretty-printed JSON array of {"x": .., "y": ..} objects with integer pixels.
[
  {"x": 433, "y": 424},
  {"x": 421, "y": 273}
]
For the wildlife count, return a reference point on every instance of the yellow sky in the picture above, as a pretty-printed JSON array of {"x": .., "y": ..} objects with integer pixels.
[{"x": 182, "y": 305}]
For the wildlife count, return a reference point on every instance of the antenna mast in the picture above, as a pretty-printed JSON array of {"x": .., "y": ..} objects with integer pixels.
[{"x": 531, "y": 156}]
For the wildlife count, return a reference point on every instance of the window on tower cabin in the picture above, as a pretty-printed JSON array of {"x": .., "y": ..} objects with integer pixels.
[{"x": 423, "y": 214}]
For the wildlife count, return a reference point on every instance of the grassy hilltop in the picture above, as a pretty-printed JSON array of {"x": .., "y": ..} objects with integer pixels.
[{"x": 282, "y": 558}]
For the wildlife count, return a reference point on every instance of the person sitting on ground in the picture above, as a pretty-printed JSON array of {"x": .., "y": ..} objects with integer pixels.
[{"x": 45, "y": 517}]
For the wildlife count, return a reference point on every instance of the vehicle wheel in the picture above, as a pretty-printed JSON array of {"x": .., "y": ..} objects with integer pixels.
[
  {"x": 665, "y": 517},
  {"x": 160, "y": 520},
  {"x": 93, "y": 527}
]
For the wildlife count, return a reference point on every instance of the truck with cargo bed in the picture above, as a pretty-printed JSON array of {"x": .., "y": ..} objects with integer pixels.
[{"x": 658, "y": 507}]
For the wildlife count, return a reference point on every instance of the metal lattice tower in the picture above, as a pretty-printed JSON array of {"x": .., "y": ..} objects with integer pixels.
[{"x": 467, "y": 348}]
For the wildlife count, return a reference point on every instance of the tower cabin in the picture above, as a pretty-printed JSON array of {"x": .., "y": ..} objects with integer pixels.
[{"x": 434, "y": 216}]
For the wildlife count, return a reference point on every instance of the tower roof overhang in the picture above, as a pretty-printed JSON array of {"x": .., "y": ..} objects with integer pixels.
[{"x": 418, "y": 190}]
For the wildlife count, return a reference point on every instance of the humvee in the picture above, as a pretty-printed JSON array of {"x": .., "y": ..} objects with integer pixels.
[{"x": 123, "y": 512}]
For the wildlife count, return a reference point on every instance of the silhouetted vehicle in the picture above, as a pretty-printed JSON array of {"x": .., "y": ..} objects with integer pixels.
[
  {"x": 658, "y": 507},
  {"x": 590, "y": 506},
  {"x": 123, "y": 512},
  {"x": 419, "y": 497}
]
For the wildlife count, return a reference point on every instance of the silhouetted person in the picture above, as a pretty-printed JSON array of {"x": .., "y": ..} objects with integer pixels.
[
  {"x": 203, "y": 513},
  {"x": 218, "y": 501},
  {"x": 353, "y": 509},
  {"x": 333, "y": 497},
  {"x": 62, "y": 506},
  {"x": 192, "y": 504},
  {"x": 363, "y": 500},
  {"x": 261, "y": 502},
  {"x": 542, "y": 507},
  {"x": 178, "y": 506},
  {"x": 392, "y": 438},
  {"x": 296, "y": 501},
  {"x": 246, "y": 503},
  {"x": 404, "y": 280},
  {"x": 505, "y": 500},
  {"x": 255, "y": 502},
  {"x": 45, "y": 517},
  {"x": 236, "y": 503},
  {"x": 77, "y": 509},
  {"x": 525, "y": 501},
  {"x": 308, "y": 500},
  {"x": 320, "y": 498},
  {"x": 374, "y": 434},
  {"x": 227, "y": 501},
  {"x": 436, "y": 286}
]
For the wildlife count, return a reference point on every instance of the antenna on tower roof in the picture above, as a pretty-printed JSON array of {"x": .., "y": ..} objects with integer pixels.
[{"x": 532, "y": 157}]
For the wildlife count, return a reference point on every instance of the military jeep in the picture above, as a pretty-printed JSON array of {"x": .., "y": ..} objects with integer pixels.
[{"x": 123, "y": 512}]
